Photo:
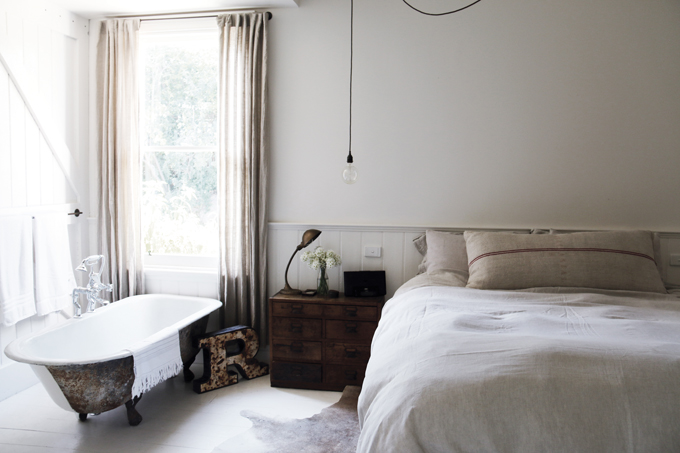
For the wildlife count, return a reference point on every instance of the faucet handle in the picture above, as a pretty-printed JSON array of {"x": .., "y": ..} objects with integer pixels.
[{"x": 91, "y": 261}]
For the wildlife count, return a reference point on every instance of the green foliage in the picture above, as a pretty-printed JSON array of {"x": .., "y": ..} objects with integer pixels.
[
  {"x": 180, "y": 96},
  {"x": 180, "y": 110},
  {"x": 169, "y": 224}
]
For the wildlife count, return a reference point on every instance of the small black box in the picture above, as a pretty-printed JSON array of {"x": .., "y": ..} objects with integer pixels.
[{"x": 365, "y": 283}]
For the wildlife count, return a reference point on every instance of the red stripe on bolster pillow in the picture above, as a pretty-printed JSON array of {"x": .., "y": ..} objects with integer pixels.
[{"x": 620, "y": 260}]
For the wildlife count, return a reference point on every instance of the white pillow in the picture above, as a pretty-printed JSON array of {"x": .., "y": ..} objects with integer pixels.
[{"x": 442, "y": 250}]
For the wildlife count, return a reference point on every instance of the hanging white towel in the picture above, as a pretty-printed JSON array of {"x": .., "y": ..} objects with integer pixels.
[
  {"x": 156, "y": 359},
  {"x": 54, "y": 280},
  {"x": 16, "y": 269}
]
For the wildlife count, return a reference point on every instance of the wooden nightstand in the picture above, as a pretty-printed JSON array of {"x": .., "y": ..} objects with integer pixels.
[{"x": 320, "y": 343}]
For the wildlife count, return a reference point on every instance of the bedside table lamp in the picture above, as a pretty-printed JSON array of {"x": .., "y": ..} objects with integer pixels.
[{"x": 307, "y": 238}]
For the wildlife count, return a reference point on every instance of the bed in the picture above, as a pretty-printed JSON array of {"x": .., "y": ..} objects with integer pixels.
[{"x": 459, "y": 364}]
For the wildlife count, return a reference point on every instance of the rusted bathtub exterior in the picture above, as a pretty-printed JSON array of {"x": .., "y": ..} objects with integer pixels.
[{"x": 94, "y": 385}]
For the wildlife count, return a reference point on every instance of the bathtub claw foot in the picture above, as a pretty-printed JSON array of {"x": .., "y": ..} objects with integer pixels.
[
  {"x": 82, "y": 417},
  {"x": 188, "y": 375},
  {"x": 134, "y": 417}
]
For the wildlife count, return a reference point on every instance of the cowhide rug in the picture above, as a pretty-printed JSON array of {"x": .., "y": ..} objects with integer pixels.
[{"x": 334, "y": 429}]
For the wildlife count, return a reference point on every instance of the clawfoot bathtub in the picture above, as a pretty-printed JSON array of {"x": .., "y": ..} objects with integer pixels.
[{"x": 83, "y": 363}]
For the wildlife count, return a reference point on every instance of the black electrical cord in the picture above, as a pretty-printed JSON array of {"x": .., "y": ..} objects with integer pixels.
[
  {"x": 440, "y": 14},
  {"x": 350, "y": 159}
]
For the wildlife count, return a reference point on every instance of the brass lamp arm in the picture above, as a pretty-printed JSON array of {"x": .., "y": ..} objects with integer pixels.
[{"x": 287, "y": 289}]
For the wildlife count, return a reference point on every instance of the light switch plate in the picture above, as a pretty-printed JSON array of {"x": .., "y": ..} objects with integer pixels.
[
  {"x": 675, "y": 259},
  {"x": 373, "y": 252}
]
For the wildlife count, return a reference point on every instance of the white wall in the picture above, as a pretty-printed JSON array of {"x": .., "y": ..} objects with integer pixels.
[
  {"x": 399, "y": 258},
  {"x": 50, "y": 50},
  {"x": 510, "y": 114}
]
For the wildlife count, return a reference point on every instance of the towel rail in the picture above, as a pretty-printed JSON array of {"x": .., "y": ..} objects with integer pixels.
[{"x": 33, "y": 210}]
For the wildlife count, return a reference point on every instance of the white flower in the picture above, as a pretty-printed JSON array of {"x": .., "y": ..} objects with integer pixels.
[{"x": 321, "y": 258}]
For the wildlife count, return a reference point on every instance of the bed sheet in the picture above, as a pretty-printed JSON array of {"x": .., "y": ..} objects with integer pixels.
[{"x": 561, "y": 370}]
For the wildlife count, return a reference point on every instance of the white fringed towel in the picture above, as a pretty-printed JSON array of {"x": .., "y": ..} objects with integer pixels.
[
  {"x": 54, "y": 280},
  {"x": 156, "y": 359},
  {"x": 16, "y": 269}
]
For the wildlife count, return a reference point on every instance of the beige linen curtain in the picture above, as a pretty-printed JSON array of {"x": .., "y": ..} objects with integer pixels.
[
  {"x": 243, "y": 168},
  {"x": 119, "y": 161}
]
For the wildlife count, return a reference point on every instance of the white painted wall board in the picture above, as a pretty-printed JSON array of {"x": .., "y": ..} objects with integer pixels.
[
  {"x": 3, "y": 27},
  {"x": 31, "y": 52},
  {"x": 330, "y": 240},
  {"x": 27, "y": 169},
  {"x": 351, "y": 250},
  {"x": 170, "y": 287},
  {"x": 288, "y": 241},
  {"x": 5, "y": 147},
  {"x": 33, "y": 164},
  {"x": 7, "y": 335},
  {"x": 393, "y": 259},
  {"x": 371, "y": 239},
  {"x": 412, "y": 258},
  {"x": 15, "y": 378},
  {"x": 15, "y": 34},
  {"x": 307, "y": 277},
  {"x": 48, "y": 168},
  {"x": 17, "y": 122},
  {"x": 188, "y": 288}
]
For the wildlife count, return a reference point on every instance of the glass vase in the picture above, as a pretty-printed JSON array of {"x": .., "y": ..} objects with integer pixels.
[{"x": 322, "y": 283}]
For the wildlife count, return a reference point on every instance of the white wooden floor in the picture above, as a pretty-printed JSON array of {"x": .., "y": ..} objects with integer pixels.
[{"x": 176, "y": 420}]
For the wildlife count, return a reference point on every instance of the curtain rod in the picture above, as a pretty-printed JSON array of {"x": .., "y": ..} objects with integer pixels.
[{"x": 186, "y": 15}]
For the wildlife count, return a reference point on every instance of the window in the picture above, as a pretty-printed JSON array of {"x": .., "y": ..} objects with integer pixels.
[{"x": 178, "y": 138}]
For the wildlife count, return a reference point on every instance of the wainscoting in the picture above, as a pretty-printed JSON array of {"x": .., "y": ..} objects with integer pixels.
[
  {"x": 46, "y": 50},
  {"x": 399, "y": 258}
]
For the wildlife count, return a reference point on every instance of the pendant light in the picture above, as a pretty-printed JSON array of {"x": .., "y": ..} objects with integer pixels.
[{"x": 349, "y": 173}]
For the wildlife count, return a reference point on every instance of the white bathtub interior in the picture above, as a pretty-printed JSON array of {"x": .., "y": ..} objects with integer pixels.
[{"x": 107, "y": 333}]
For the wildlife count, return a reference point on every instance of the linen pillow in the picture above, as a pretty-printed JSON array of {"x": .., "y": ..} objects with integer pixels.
[
  {"x": 442, "y": 251},
  {"x": 620, "y": 260},
  {"x": 656, "y": 243}
]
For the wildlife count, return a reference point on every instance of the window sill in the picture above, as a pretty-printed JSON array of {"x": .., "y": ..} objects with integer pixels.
[
  {"x": 181, "y": 262},
  {"x": 186, "y": 274}
]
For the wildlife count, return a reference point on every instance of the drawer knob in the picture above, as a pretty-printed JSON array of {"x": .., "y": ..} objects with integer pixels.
[
  {"x": 351, "y": 327},
  {"x": 351, "y": 375},
  {"x": 296, "y": 370},
  {"x": 351, "y": 353},
  {"x": 297, "y": 309},
  {"x": 296, "y": 327},
  {"x": 351, "y": 311},
  {"x": 296, "y": 347}
]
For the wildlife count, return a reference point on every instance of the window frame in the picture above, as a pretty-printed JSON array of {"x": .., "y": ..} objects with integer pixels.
[{"x": 159, "y": 31}]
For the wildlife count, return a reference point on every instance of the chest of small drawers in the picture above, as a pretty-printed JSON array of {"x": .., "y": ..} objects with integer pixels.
[{"x": 319, "y": 343}]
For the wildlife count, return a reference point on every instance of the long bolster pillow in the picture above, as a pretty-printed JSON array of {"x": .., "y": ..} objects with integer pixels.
[{"x": 620, "y": 260}]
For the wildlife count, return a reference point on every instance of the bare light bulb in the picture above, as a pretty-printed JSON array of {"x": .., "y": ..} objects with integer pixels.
[{"x": 350, "y": 174}]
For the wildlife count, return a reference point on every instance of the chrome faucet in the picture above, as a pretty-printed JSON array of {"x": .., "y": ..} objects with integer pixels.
[{"x": 94, "y": 285}]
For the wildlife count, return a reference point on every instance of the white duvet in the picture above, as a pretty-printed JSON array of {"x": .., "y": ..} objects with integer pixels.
[{"x": 465, "y": 370}]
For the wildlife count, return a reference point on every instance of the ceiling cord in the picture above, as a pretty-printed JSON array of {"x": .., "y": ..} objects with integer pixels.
[
  {"x": 351, "y": 61},
  {"x": 441, "y": 14}
]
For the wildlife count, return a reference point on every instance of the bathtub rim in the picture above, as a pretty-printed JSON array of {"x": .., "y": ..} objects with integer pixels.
[{"x": 15, "y": 352}]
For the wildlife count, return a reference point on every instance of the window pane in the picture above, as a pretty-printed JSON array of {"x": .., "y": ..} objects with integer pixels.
[
  {"x": 179, "y": 202},
  {"x": 180, "y": 91}
]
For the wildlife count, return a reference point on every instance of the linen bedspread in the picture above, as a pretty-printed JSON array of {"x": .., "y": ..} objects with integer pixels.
[{"x": 559, "y": 370}]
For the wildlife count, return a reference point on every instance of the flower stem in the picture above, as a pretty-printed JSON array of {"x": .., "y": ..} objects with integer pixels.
[{"x": 322, "y": 287}]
